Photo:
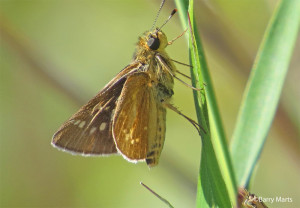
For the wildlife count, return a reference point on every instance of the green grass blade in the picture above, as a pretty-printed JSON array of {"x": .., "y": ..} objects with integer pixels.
[
  {"x": 216, "y": 183},
  {"x": 263, "y": 89}
]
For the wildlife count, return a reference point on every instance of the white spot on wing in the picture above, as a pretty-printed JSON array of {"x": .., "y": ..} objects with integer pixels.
[
  {"x": 81, "y": 124},
  {"x": 102, "y": 126},
  {"x": 93, "y": 129},
  {"x": 77, "y": 122},
  {"x": 127, "y": 137}
]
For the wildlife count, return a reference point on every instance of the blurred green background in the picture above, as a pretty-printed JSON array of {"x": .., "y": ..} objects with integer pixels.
[{"x": 56, "y": 55}]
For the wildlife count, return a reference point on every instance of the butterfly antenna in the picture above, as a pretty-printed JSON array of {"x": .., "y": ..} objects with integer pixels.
[
  {"x": 161, "y": 5},
  {"x": 171, "y": 15}
]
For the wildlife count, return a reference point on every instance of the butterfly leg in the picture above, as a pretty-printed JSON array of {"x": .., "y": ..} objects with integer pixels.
[
  {"x": 194, "y": 123},
  {"x": 167, "y": 68},
  {"x": 184, "y": 75}
]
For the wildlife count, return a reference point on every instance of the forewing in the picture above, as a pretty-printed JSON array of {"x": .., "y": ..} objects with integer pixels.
[
  {"x": 137, "y": 119},
  {"x": 89, "y": 130}
]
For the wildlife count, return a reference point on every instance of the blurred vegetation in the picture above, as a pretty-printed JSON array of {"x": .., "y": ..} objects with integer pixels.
[{"x": 56, "y": 55}]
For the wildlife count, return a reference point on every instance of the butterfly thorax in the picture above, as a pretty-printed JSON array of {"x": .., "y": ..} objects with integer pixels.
[{"x": 151, "y": 54}]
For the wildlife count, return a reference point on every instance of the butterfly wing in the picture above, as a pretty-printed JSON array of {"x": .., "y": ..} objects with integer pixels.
[
  {"x": 89, "y": 131},
  {"x": 139, "y": 121}
]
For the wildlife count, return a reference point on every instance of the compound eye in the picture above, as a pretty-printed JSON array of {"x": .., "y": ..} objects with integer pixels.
[{"x": 153, "y": 43}]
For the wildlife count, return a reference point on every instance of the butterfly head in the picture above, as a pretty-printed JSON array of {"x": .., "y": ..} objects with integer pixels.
[{"x": 156, "y": 40}]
